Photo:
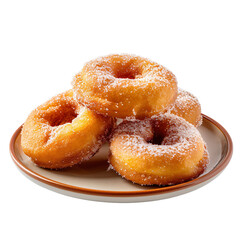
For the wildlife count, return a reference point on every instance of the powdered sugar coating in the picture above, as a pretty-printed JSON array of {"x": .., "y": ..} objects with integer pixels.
[
  {"x": 188, "y": 107},
  {"x": 179, "y": 136},
  {"x": 61, "y": 132},
  {"x": 125, "y": 86},
  {"x": 180, "y": 155}
]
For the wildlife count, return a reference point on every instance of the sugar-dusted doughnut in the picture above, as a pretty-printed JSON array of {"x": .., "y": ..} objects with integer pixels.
[
  {"x": 61, "y": 132},
  {"x": 125, "y": 86},
  {"x": 164, "y": 151},
  {"x": 188, "y": 107}
]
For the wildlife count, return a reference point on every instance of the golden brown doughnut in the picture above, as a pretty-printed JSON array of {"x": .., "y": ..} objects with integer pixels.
[
  {"x": 188, "y": 107},
  {"x": 164, "y": 151},
  {"x": 61, "y": 132},
  {"x": 125, "y": 86}
]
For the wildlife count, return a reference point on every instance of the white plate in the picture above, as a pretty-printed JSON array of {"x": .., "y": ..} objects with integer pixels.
[{"x": 93, "y": 180}]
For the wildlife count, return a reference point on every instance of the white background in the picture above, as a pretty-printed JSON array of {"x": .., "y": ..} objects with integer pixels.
[{"x": 44, "y": 43}]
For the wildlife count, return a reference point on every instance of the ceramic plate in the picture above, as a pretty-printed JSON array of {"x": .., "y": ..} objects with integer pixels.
[{"x": 93, "y": 180}]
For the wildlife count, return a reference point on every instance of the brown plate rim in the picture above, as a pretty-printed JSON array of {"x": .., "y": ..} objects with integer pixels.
[{"x": 161, "y": 190}]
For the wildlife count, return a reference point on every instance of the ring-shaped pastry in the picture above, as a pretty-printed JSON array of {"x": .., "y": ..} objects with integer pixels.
[
  {"x": 61, "y": 132},
  {"x": 125, "y": 86},
  {"x": 163, "y": 151}
]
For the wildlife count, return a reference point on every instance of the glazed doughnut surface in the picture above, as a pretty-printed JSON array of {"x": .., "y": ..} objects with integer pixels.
[
  {"x": 125, "y": 86},
  {"x": 188, "y": 107},
  {"x": 61, "y": 132},
  {"x": 163, "y": 151}
]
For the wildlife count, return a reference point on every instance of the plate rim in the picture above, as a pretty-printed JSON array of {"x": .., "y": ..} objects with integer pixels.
[{"x": 217, "y": 169}]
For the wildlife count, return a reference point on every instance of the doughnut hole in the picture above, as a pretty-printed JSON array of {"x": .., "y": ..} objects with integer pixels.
[
  {"x": 157, "y": 140},
  {"x": 127, "y": 71},
  {"x": 62, "y": 114},
  {"x": 160, "y": 133},
  {"x": 163, "y": 138},
  {"x": 128, "y": 74}
]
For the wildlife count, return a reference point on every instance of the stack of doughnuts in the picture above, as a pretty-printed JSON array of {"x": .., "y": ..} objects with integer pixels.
[{"x": 156, "y": 143}]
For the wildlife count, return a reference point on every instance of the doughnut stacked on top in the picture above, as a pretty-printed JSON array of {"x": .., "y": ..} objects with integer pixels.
[
  {"x": 125, "y": 86},
  {"x": 157, "y": 142}
]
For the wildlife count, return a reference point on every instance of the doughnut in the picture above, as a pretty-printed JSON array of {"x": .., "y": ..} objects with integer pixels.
[
  {"x": 61, "y": 132},
  {"x": 165, "y": 150},
  {"x": 125, "y": 86},
  {"x": 188, "y": 107}
]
